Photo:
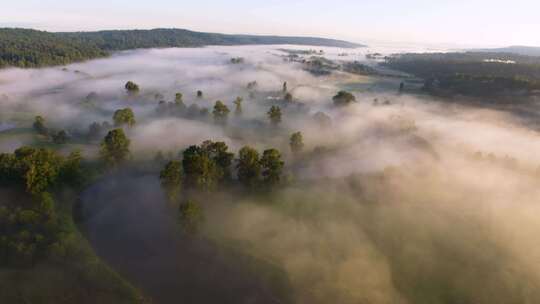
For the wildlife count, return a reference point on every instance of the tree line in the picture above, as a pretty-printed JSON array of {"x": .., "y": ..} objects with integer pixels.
[{"x": 28, "y": 48}]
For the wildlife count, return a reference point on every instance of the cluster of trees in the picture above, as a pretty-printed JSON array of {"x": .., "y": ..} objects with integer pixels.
[
  {"x": 472, "y": 73},
  {"x": 132, "y": 88},
  {"x": 237, "y": 60},
  {"x": 343, "y": 98},
  {"x": 208, "y": 166},
  {"x": 29, "y": 226},
  {"x": 30, "y": 48},
  {"x": 58, "y": 137}
]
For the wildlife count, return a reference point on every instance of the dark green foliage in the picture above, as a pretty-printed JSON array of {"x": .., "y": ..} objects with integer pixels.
[
  {"x": 39, "y": 126},
  {"x": 29, "y": 226},
  {"x": 359, "y": 68},
  {"x": 124, "y": 117},
  {"x": 61, "y": 137},
  {"x": 220, "y": 112},
  {"x": 249, "y": 167},
  {"x": 218, "y": 152},
  {"x": 274, "y": 114},
  {"x": 34, "y": 169},
  {"x": 343, "y": 98},
  {"x": 272, "y": 167},
  {"x": 29, "y": 48},
  {"x": 472, "y": 73},
  {"x": 190, "y": 216},
  {"x": 237, "y": 60},
  {"x": 132, "y": 88},
  {"x": 115, "y": 147},
  {"x": 296, "y": 142},
  {"x": 28, "y": 229},
  {"x": 200, "y": 171},
  {"x": 171, "y": 179},
  {"x": 207, "y": 165}
]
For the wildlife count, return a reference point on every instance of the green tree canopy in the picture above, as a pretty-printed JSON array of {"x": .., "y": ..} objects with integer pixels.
[
  {"x": 131, "y": 87},
  {"x": 39, "y": 126},
  {"x": 220, "y": 112},
  {"x": 190, "y": 216},
  {"x": 274, "y": 114},
  {"x": 343, "y": 98},
  {"x": 218, "y": 152},
  {"x": 115, "y": 147},
  {"x": 171, "y": 179},
  {"x": 249, "y": 167},
  {"x": 124, "y": 117},
  {"x": 272, "y": 167},
  {"x": 200, "y": 171}
]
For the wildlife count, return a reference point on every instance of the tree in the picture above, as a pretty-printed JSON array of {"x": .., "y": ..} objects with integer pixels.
[
  {"x": 274, "y": 114},
  {"x": 37, "y": 168},
  {"x": 132, "y": 88},
  {"x": 124, "y": 117},
  {"x": 61, "y": 137},
  {"x": 272, "y": 167},
  {"x": 343, "y": 98},
  {"x": 296, "y": 142},
  {"x": 200, "y": 171},
  {"x": 39, "y": 126},
  {"x": 322, "y": 119},
  {"x": 71, "y": 172},
  {"x": 171, "y": 179},
  {"x": 190, "y": 216},
  {"x": 179, "y": 98},
  {"x": 249, "y": 167},
  {"x": 238, "y": 103},
  {"x": 199, "y": 94},
  {"x": 221, "y": 112},
  {"x": 218, "y": 153},
  {"x": 288, "y": 97},
  {"x": 285, "y": 87},
  {"x": 115, "y": 147}
]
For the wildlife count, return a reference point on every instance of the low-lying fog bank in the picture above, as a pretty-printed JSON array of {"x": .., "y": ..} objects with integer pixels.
[{"x": 396, "y": 199}]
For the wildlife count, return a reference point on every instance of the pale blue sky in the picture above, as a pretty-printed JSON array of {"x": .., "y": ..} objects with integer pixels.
[{"x": 472, "y": 22}]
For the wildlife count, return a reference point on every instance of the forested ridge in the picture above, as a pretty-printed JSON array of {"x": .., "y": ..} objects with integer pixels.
[{"x": 28, "y": 48}]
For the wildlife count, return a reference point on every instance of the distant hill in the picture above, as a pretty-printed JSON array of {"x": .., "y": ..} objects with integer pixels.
[
  {"x": 516, "y": 49},
  {"x": 32, "y": 48}
]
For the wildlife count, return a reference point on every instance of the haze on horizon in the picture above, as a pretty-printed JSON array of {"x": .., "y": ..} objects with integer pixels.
[{"x": 479, "y": 23}]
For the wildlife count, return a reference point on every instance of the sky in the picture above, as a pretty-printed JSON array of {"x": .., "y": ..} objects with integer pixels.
[{"x": 451, "y": 22}]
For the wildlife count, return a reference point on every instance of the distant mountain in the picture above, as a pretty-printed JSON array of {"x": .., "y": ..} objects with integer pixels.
[
  {"x": 516, "y": 49},
  {"x": 32, "y": 48}
]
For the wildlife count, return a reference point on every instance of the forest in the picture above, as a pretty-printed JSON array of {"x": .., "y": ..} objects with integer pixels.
[
  {"x": 28, "y": 48},
  {"x": 472, "y": 73}
]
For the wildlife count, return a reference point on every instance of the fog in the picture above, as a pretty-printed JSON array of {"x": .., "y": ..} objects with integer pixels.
[{"x": 420, "y": 200}]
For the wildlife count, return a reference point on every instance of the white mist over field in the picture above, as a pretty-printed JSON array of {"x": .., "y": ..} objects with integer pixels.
[{"x": 413, "y": 201}]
